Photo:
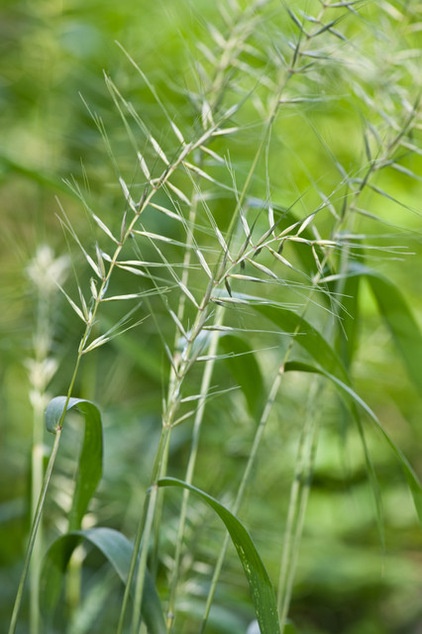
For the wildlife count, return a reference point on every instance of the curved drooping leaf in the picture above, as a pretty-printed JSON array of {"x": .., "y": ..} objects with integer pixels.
[
  {"x": 246, "y": 372},
  {"x": 90, "y": 465},
  {"x": 400, "y": 321},
  {"x": 306, "y": 336},
  {"x": 350, "y": 395},
  {"x": 262, "y": 592},
  {"x": 395, "y": 312},
  {"x": 117, "y": 549}
]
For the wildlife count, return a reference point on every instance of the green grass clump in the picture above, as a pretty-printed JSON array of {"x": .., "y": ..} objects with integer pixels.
[{"x": 233, "y": 327}]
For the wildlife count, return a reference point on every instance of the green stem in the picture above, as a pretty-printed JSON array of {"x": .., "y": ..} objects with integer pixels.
[
  {"x": 140, "y": 548},
  {"x": 297, "y": 504},
  {"x": 35, "y": 568},
  {"x": 205, "y": 386},
  {"x": 33, "y": 534},
  {"x": 140, "y": 578}
]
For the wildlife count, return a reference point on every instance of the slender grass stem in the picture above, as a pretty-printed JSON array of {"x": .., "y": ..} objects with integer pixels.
[
  {"x": 298, "y": 502},
  {"x": 37, "y": 466},
  {"x": 205, "y": 386},
  {"x": 34, "y": 532},
  {"x": 140, "y": 578}
]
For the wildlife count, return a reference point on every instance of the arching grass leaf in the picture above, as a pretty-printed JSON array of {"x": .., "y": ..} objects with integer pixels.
[
  {"x": 395, "y": 312},
  {"x": 400, "y": 321},
  {"x": 306, "y": 336},
  {"x": 262, "y": 592},
  {"x": 354, "y": 399},
  {"x": 117, "y": 549},
  {"x": 90, "y": 465}
]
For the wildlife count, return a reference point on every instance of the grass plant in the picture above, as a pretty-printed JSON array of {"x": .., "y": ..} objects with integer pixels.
[{"x": 249, "y": 228}]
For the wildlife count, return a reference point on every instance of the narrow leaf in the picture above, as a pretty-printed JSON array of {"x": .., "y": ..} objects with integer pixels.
[{"x": 259, "y": 582}]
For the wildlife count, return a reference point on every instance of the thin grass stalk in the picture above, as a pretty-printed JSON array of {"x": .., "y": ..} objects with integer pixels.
[
  {"x": 217, "y": 91},
  {"x": 37, "y": 466},
  {"x": 140, "y": 579},
  {"x": 187, "y": 357},
  {"x": 34, "y": 531},
  {"x": 264, "y": 145},
  {"x": 269, "y": 404},
  {"x": 187, "y": 258},
  {"x": 137, "y": 572},
  {"x": 165, "y": 439},
  {"x": 205, "y": 386},
  {"x": 41, "y": 501},
  {"x": 299, "y": 494},
  {"x": 243, "y": 483},
  {"x": 307, "y": 447}
]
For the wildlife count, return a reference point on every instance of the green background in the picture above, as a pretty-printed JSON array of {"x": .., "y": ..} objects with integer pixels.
[{"x": 53, "y": 56}]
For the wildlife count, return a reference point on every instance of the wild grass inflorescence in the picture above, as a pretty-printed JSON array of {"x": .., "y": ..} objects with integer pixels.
[{"x": 250, "y": 229}]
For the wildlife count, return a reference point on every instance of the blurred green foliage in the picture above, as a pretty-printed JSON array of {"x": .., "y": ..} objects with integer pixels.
[{"x": 53, "y": 56}]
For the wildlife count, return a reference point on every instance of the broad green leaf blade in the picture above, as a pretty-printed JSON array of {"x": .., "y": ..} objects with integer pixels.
[
  {"x": 262, "y": 592},
  {"x": 90, "y": 466},
  {"x": 117, "y": 549},
  {"x": 53, "y": 570},
  {"x": 401, "y": 323},
  {"x": 350, "y": 395},
  {"x": 306, "y": 336},
  {"x": 245, "y": 369}
]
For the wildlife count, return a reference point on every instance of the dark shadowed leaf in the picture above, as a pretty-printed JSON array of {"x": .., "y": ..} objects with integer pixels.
[{"x": 117, "y": 549}]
